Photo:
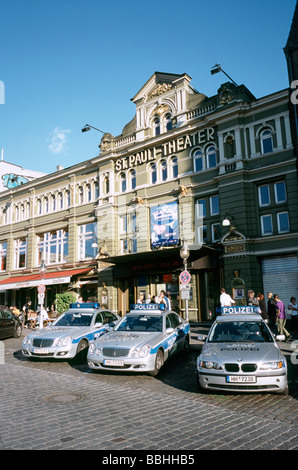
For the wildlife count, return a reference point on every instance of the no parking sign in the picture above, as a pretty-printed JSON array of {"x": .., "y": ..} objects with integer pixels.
[{"x": 185, "y": 277}]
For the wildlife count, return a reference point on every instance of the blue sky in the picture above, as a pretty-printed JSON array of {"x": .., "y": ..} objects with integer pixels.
[{"x": 65, "y": 63}]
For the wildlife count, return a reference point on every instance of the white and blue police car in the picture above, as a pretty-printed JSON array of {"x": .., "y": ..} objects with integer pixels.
[
  {"x": 141, "y": 342},
  {"x": 71, "y": 333}
]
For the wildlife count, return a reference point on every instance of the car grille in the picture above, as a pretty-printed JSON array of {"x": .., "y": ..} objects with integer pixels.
[
  {"x": 233, "y": 367},
  {"x": 42, "y": 343},
  {"x": 115, "y": 352}
]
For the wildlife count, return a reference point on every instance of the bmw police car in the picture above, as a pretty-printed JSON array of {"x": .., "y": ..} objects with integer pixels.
[
  {"x": 241, "y": 354},
  {"x": 71, "y": 333},
  {"x": 141, "y": 342}
]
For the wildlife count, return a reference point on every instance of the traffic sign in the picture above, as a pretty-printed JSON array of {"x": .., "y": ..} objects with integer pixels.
[
  {"x": 185, "y": 277},
  {"x": 40, "y": 299},
  {"x": 41, "y": 288},
  {"x": 185, "y": 295}
]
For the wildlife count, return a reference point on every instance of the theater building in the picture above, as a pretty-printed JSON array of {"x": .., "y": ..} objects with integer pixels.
[{"x": 218, "y": 172}]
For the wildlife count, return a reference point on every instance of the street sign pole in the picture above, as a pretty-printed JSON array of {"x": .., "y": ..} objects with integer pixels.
[{"x": 41, "y": 294}]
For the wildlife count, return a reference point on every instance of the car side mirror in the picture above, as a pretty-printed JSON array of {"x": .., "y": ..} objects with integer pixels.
[
  {"x": 169, "y": 331},
  {"x": 98, "y": 324},
  {"x": 202, "y": 337}
]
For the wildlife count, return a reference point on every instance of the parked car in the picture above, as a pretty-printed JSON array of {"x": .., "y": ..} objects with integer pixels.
[
  {"x": 10, "y": 324},
  {"x": 71, "y": 333},
  {"x": 141, "y": 342},
  {"x": 241, "y": 354}
]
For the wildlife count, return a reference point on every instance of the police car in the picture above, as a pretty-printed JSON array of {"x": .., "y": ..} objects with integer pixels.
[
  {"x": 141, "y": 342},
  {"x": 71, "y": 333},
  {"x": 241, "y": 354}
]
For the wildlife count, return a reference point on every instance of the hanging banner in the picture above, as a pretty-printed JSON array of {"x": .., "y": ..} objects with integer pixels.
[{"x": 164, "y": 225}]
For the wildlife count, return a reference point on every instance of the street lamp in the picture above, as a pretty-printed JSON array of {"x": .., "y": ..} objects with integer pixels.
[
  {"x": 42, "y": 270},
  {"x": 87, "y": 127},
  {"x": 217, "y": 68},
  {"x": 184, "y": 253}
]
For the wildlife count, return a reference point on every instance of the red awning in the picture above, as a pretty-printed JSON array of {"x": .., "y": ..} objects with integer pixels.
[{"x": 30, "y": 280}]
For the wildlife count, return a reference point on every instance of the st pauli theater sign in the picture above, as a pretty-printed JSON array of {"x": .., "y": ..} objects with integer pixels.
[{"x": 173, "y": 146}]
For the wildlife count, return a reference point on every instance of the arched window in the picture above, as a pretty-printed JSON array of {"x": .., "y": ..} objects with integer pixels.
[
  {"x": 164, "y": 170},
  {"x": 174, "y": 167},
  {"x": 89, "y": 193},
  {"x": 211, "y": 157},
  {"x": 81, "y": 195},
  {"x": 266, "y": 141},
  {"x": 53, "y": 202},
  {"x": 67, "y": 198},
  {"x": 39, "y": 207},
  {"x": 123, "y": 182},
  {"x": 198, "y": 160},
  {"x": 168, "y": 122},
  {"x": 153, "y": 173},
  {"x": 60, "y": 201},
  {"x": 156, "y": 126},
  {"x": 133, "y": 181},
  {"x": 96, "y": 190},
  {"x": 46, "y": 204}
]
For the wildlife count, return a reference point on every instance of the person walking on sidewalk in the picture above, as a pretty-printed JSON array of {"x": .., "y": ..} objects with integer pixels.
[{"x": 281, "y": 317}]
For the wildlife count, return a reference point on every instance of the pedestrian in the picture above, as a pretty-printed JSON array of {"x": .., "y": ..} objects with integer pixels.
[
  {"x": 148, "y": 299},
  {"x": 252, "y": 300},
  {"x": 225, "y": 299},
  {"x": 141, "y": 298},
  {"x": 26, "y": 309},
  {"x": 163, "y": 299},
  {"x": 281, "y": 317},
  {"x": 153, "y": 300},
  {"x": 293, "y": 306},
  {"x": 271, "y": 309},
  {"x": 262, "y": 305}
]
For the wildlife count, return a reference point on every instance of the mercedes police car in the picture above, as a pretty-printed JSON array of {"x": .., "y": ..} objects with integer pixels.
[
  {"x": 141, "y": 342},
  {"x": 241, "y": 354},
  {"x": 71, "y": 333}
]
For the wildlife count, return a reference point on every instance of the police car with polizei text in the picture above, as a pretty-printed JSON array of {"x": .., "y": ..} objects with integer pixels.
[
  {"x": 241, "y": 354},
  {"x": 141, "y": 342},
  {"x": 71, "y": 333}
]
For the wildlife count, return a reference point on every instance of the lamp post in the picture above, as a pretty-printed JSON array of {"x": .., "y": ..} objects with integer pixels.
[
  {"x": 42, "y": 270},
  {"x": 87, "y": 127},
  {"x": 217, "y": 68},
  {"x": 184, "y": 253}
]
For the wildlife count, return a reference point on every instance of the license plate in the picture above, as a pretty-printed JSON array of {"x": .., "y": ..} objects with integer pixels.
[
  {"x": 40, "y": 351},
  {"x": 113, "y": 362},
  {"x": 240, "y": 379}
]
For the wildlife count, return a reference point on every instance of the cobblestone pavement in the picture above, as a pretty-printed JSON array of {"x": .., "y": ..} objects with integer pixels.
[{"x": 63, "y": 405}]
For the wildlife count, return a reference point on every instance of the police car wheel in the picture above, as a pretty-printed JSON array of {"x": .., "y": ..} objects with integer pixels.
[
  {"x": 82, "y": 348},
  {"x": 159, "y": 360}
]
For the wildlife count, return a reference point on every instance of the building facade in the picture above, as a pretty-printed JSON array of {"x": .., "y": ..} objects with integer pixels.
[{"x": 111, "y": 227}]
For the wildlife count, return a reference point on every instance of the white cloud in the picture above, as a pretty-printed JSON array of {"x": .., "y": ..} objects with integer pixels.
[{"x": 58, "y": 140}]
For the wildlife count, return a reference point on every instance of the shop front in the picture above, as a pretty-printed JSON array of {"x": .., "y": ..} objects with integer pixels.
[{"x": 149, "y": 273}]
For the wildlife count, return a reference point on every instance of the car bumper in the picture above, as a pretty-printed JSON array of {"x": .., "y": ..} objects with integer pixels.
[
  {"x": 125, "y": 364},
  {"x": 50, "y": 352},
  {"x": 271, "y": 382}
]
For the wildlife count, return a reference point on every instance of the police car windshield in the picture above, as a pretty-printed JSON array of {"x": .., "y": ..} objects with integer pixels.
[
  {"x": 240, "y": 331},
  {"x": 74, "y": 319},
  {"x": 141, "y": 323}
]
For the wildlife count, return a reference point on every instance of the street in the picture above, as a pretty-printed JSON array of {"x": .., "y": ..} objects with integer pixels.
[{"x": 57, "y": 405}]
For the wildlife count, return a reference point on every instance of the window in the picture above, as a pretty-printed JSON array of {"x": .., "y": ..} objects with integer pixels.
[
  {"x": 198, "y": 160},
  {"x": 283, "y": 224},
  {"x": 215, "y": 232},
  {"x": 201, "y": 208},
  {"x": 156, "y": 126},
  {"x": 266, "y": 224},
  {"x": 202, "y": 234},
  {"x": 20, "y": 253},
  {"x": 46, "y": 205},
  {"x": 266, "y": 141},
  {"x": 96, "y": 190},
  {"x": 53, "y": 247},
  {"x": 280, "y": 192},
  {"x": 89, "y": 192},
  {"x": 164, "y": 170},
  {"x": 211, "y": 157},
  {"x": 168, "y": 122},
  {"x": 132, "y": 179},
  {"x": 39, "y": 207},
  {"x": 174, "y": 167},
  {"x": 123, "y": 182},
  {"x": 60, "y": 201},
  {"x": 214, "y": 205},
  {"x": 81, "y": 195},
  {"x": 153, "y": 173},
  {"x": 67, "y": 198},
  {"x": 264, "y": 195},
  {"x": 87, "y": 236},
  {"x": 53, "y": 202},
  {"x": 3, "y": 255},
  {"x": 123, "y": 223}
]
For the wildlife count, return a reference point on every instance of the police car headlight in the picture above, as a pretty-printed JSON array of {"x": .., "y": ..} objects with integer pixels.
[
  {"x": 210, "y": 365},
  {"x": 98, "y": 351},
  {"x": 272, "y": 365},
  {"x": 144, "y": 351},
  {"x": 64, "y": 341},
  {"x": 91, "y": 348},
  {"x": 27, "y": 340}
]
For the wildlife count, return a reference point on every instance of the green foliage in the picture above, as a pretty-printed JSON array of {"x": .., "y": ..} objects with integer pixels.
[{"x": 63, "y": 300}]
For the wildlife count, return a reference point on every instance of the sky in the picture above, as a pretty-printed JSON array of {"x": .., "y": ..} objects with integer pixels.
[{"x": 66, "y": 63}]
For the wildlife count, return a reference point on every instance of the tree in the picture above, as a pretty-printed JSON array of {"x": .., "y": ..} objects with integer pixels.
[{"x": 63, "y": 300}]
